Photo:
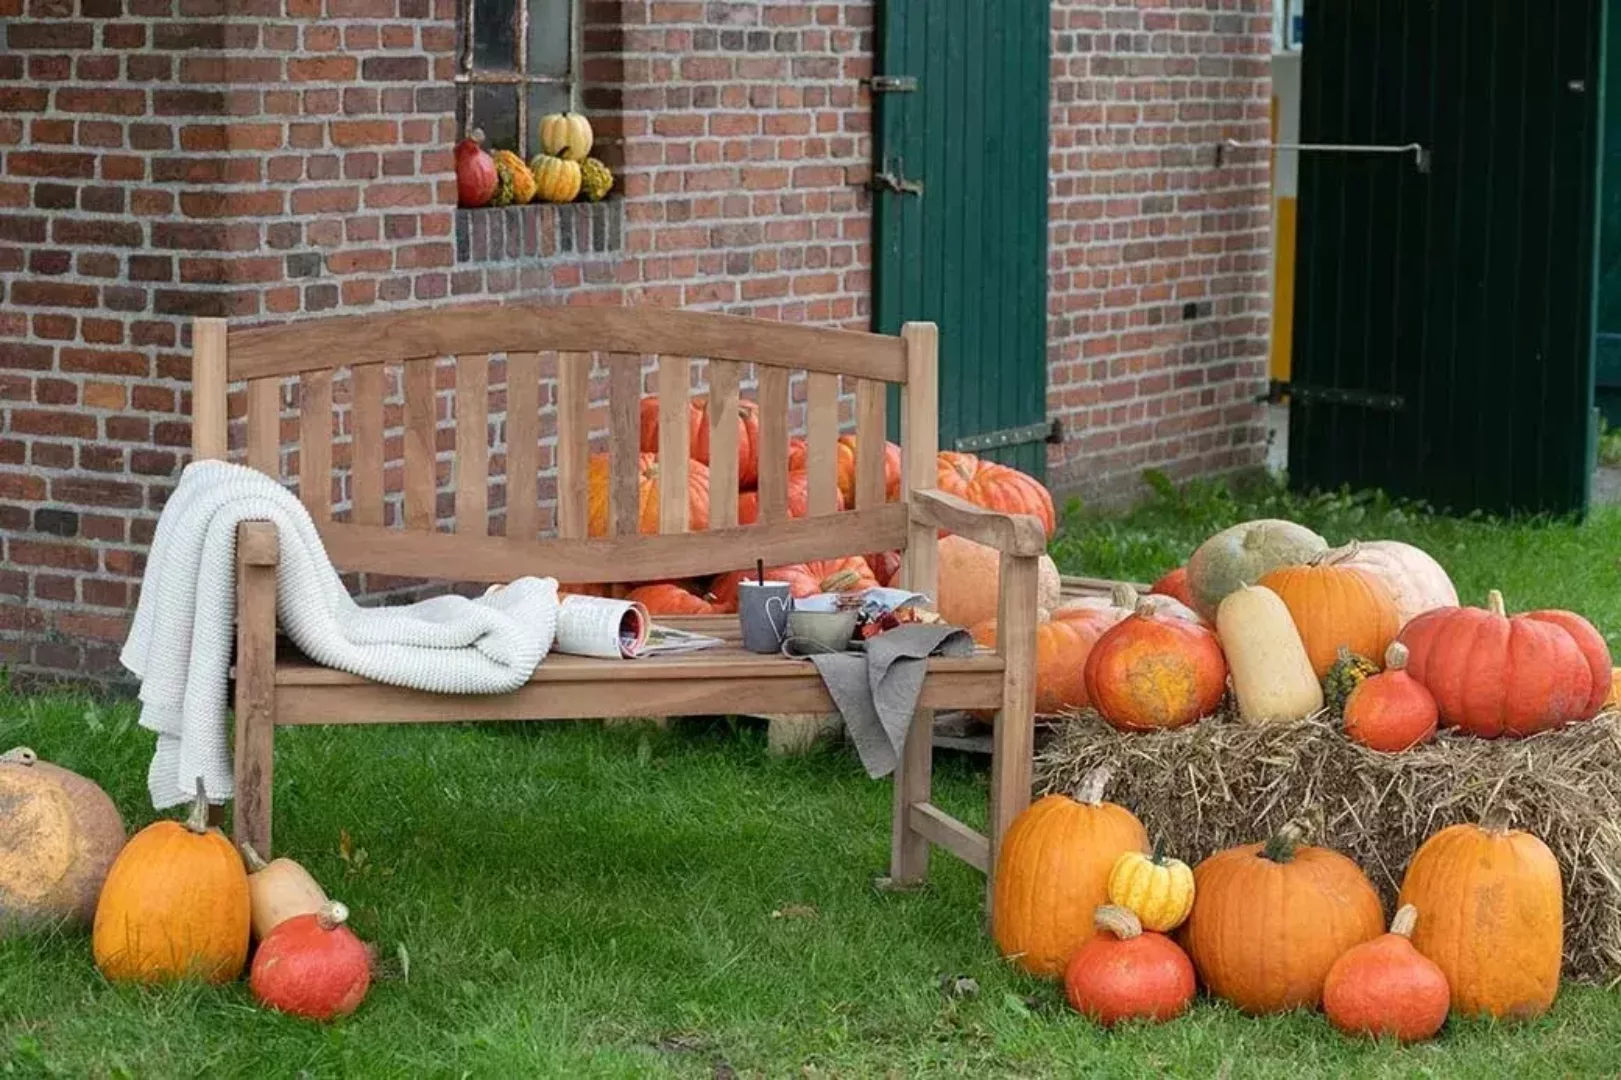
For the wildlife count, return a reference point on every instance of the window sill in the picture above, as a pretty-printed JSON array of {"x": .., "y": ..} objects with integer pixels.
[{"x": 539, "y": 231}]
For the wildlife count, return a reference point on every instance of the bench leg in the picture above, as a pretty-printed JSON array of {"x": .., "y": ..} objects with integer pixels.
[
  {"x": 255, "y": 702},
  {"x": 1013, "y": 744},
  {"x": 908, "y": 850}
]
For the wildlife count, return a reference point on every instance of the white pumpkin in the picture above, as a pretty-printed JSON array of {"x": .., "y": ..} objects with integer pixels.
[
  {"x": 1415, "y": 580},
  {"x": 1272, "y": 676}
]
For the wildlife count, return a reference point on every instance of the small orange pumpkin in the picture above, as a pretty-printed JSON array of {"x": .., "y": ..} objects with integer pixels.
[
  {"x": 1390, "y": 711},
  {"x": 1123, "y": 973},
  {"x": 1387, "y": 988},
  {"x": 1334, "y": 606},
  {"x": 1053, "y": 874},
  {"x": 1153, "y": 671}
]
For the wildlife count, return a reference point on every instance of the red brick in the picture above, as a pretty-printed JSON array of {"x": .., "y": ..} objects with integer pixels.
[
  {"x": 47, "y": 164},
  {"x": 52, "y": 294},
  {"x": 323, "y": 69}
]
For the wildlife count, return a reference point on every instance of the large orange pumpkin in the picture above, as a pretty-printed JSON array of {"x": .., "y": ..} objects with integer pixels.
[
  {"x": 1053, "y": 874},
  {"x": 849, "y": 574},
  {"x": 748, "y": 434},
  {"x": 845, "y": 456},
  {"x": 647, "y": 488},
  {"x": 995, "y": 487},
  {"x": 748, "y": 502},
  {"x": 1335, "y": 607},
  {"x": 59, "y": 833},
  {"x": 970, "y": 582},
  {"x": 668, "y": 598},
  {"x": 1269, "y": 920},
  {"x": 1493, "y": 907},
  {"x": 1494, "y": 675},
  {"x": 175, "y": 905},
  {"x": 1153, "y": 671}
]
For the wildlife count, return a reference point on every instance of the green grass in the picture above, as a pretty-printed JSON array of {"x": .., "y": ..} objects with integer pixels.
[{"x": 569, "y": 900}]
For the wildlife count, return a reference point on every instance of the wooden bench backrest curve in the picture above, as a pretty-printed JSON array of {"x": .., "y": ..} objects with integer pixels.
[{"x": 313, "y": 352}]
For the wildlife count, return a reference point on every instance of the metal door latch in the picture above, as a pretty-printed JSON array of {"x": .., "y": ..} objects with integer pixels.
[
  {"x": 892, "y": 84},
  {"x": 888, "y": 181},
  {"x": 1420, "y": 153}
]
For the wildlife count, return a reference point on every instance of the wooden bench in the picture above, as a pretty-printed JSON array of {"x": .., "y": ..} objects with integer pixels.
[{"x": 566, "y": 345}]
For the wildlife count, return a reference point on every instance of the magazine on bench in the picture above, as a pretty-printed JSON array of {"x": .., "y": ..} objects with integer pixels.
[{"x": 614, "y": 629}]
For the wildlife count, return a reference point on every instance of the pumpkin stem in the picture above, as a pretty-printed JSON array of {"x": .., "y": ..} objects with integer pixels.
[
  {"x": 1396, "y": 657},
  {"x": 1496, "y": 819},
  {"x": 1281, "y": 847},
  {"x": 1124, "y": 596},
  {"x": 1091, "y": 789},
  {"x": 198, "y": 821},
  {"x": 19, "y": 755},
  {"x": 1494, "y": 603},
  {"x": 1122, "y": 922},
  {"x": 1402, "y": 925},
  {"x": 1158, "y": 857},
  {"x": 1254, "y": 537},
  {"x": 477, "y": 135},
  {"x": 331, "y": 915},
  {"x": 1145, "y": 607},
  {"x": 255, "y": 862},
  {"x": 1334, "y": 556}
]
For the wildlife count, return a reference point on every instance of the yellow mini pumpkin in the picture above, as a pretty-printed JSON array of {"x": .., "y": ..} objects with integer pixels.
[
  {"x": 566, "y": 135},
  {"x": 556, "y": 179},
  {"x": 515, "y": 184},
  {"x": 1159, "y": 891}
]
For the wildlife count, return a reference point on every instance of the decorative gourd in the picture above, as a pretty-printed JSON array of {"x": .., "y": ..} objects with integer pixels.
[
  {"x": 59, "y": 833},
  {"x": 748, "y": 435},
  {"x": 1391, "y": 712},
  {"x": 1493, "y": 917},
  {"x": 1053, "y": 873},
  {"x": 1345, "y": 675},
  {"x": 597, "y": 503},
  {"x": 970, "y": 582},
  {"x": 1416, "y": 582},
  {"x": 845, "y": 454},
  {"x": 596, "y": 180},
  {"x": 1175, "y": 585},
  {"x": 1494, "y": 675},
  {"x": 1157, "y": 890},
  {"x": 668, "y": 598},
  {"x": 995, "y": 487},
  {"x": 557, "y": 180},
  {"x": 475, "y": 172},
  {"x": 279, "y": 890},
  {"x": 1272, "y": 676},
  {"x": 312, "y": 966},
  {"x": 1122, "y": 973},
  {"x": 1243, "y": 554},
  {"x": 1061, "y": 648},
  {"x": 567, "y": 135},
  {"x": 511, "y": 171},
  {"x": 1385, "y": 988},
  {"x": 849, "y": 574},
  {"x": 1270, "y": 919},
  {"x": 1333, "y": 607},
  {"x": 1149, "y": 671},
  {"x": 175, "y": 905}
]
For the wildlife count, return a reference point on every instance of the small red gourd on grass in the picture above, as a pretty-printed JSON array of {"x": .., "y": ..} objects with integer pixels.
[
  {"x": 1390, "y": 711},
  {"x": 312, "y": 966},
  {"x": 1385, "y": 987},
  {"x": 1125, "y": 973},
  {"x": 1153, "y": 671}
]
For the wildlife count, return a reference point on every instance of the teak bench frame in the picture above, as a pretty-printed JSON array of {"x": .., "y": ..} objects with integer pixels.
[{"x": 273, "y": 690}]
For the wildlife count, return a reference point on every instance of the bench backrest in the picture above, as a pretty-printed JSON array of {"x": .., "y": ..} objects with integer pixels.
[{"x": 354, "y": 353}]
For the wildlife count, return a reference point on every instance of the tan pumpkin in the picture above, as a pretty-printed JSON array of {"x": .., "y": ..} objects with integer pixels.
[
  {"x": 1335, "y": 606},
  {"x": 1493, "y": 904},
  {"x": 59, "y": 833},
  {"x": 567, "y": 135},
  {"x": 970, "y": 582},
  {"x": 1244, "y": 553},
  {"x": 176, "y": 905},
  {"x": 1053, "y": 873},
  {"x": 1416, "y": 582},
  {"x": 279, "y": 890},
  {"x": 1271, "y": 673}
]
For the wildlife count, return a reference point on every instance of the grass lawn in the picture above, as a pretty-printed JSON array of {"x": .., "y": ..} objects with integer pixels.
[{"x": 569, "y": 900}]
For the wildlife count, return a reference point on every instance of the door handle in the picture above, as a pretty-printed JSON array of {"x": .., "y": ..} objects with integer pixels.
[{"x": 888, "y": 181}]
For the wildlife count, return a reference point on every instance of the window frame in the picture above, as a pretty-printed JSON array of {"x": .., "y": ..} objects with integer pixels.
[{"x": 468, "y": 77}]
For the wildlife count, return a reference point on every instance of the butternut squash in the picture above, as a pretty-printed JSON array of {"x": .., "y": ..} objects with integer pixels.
[
  {"x": 280, "y": 890},
  {"x": 1272, "y": 675}
]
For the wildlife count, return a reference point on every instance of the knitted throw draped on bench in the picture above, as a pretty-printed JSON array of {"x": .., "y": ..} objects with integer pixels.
[{"x": 180, "y": 643}]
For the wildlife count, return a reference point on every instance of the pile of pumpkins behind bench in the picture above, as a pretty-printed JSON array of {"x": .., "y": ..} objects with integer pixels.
[{"x": 1279, "y": 924}]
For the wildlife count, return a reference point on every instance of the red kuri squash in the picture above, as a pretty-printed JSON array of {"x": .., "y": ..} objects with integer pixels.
[
  {"x": 1153, "y": 671},
  {"x": 312, "y": 966},
  {"x": 1125, "y": 973},
  {"x": 1387, "y": 988}
]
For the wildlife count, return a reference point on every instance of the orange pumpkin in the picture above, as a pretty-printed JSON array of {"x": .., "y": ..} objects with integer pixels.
[
  {"x": 849, "y": 574},
  {"x": 1390, "y": 711},
  {"x": 748, "y": 434},
  {"x": 1061, "y": 648},
  {"x": 1335, "y": 606},
  {"x": 995, "y": 487},
  {"x": 1386, "y": 988},
  {"x": 1494, "y": 675},
  {"x": 748, "y": 502},
  {"x": 845, "y": 457},
  {"x": 1153, "y": 671},
  {"x": 1493, "y": 906},
  {"x": 312, "y": 966},
  {"x": 1053, "y": 874},
  {"x": 647, "y": 490},
  {"x": 1175, "y": 585},
  {"x": 175, "y": 905},
  {"x": 668, "y": 598},
  {"x": 1269, "y": 920},
  {"x": 970, "y": 582},
  {"x": 1123, "y": 973}
]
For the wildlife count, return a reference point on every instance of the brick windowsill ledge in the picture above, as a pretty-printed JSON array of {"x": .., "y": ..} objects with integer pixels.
[{"x": 539, "y": 231}]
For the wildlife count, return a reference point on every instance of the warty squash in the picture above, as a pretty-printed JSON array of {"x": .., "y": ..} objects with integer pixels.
[{"x": 1272, "y": 676}]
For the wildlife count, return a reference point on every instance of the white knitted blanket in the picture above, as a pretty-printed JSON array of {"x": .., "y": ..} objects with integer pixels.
[{"x": 181, "y": 640}]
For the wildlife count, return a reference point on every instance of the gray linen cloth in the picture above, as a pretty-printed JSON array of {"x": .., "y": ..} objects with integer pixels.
[{"x": 877, "y": 690}]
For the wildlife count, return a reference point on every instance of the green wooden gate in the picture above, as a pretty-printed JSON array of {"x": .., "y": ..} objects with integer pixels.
[
  {"x": 960, "y": 210},
  {"x": 1443, "y": 318}
]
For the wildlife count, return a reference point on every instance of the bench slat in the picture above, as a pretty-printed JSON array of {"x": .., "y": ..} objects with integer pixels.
[
  {"x": 675, "y": 382},
  {"x": 264, "y": 426},
  {"x": 523, "y": 445},
  {"x": 871, "y": 442},
  {"x": 209, "y": 390},
  {"x": 573, "y": 442},
  {"x": 722, "y": 420},
  {"x": 315, "y": 444},
  {"x": 920, "y": 436},
  {"x": 368, "y": 385},
  {"x": 624, "y": 445},
  {"x": 821, "y": 441},
  {"x": 420, "y": 420},
  {"x": 473, "y": 445},
  {"x": 773, "y": 481}
]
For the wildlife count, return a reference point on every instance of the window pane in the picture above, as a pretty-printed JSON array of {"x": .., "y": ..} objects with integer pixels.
[
  {"x": 550, "y": 36},
  {"x": 495, "y": 109},
  {"x": 494, "y": 40},
  {"x": 545, "y": 98}
]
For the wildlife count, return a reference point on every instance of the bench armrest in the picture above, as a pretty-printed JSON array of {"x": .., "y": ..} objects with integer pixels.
[
  {"x": 257, "y": 544},
  {"x": 1011, "y": 534}
]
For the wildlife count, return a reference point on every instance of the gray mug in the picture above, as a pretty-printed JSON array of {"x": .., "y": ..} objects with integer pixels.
[{"x": 762, "y": 611}]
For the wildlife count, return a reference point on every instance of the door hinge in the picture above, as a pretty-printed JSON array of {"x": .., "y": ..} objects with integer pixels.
[
  {"x": 892, "y": 84},
  {"x": 1334, "y": 395},
  {"x": 1048, "y": 431},
  {"x": 888, "y": 181}
]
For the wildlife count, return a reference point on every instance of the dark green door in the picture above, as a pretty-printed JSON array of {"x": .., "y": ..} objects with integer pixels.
[
  {"x": 961, "y": 228},
  {"x": 1443, "y": 319},
  {"x": 1607, "y": 350}
]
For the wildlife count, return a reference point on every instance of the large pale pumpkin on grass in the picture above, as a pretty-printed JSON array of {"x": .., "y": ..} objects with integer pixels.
[
  {"x": 995, "y": 487},
  {"x": 598, "y": 503},
  {"x": 59, "y": 834},
  {"x": 1244, "y": 553},
  {"x": 970, "y": 582},
  {"x": 1335, "y": 607}
]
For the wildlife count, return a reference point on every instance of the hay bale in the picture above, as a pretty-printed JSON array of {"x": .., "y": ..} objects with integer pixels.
[{"x": 1220, "y": 783}]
